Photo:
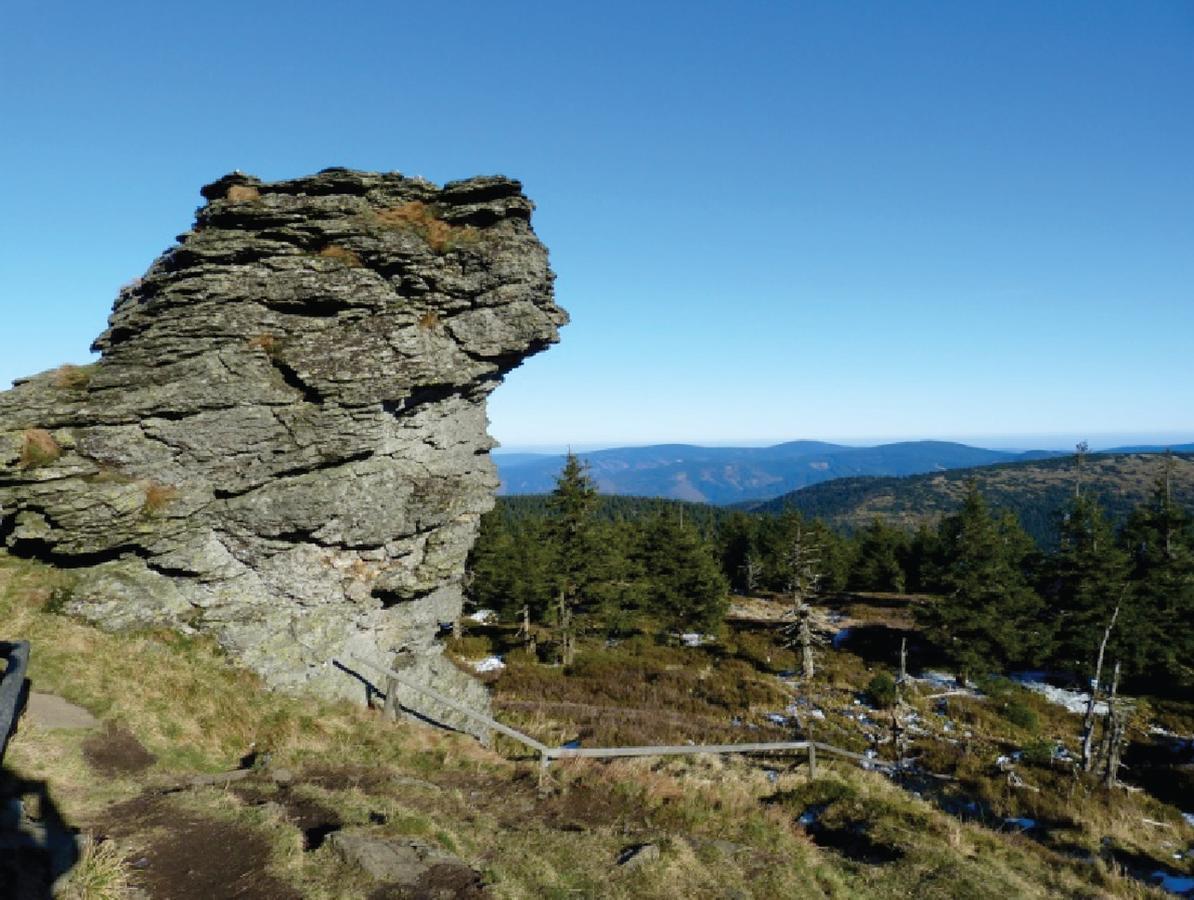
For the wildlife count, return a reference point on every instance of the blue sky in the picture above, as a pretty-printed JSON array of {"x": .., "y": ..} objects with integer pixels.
[{"x": 846, "y": 221}]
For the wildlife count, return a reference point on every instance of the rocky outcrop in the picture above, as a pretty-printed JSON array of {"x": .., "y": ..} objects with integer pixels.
[{"x": 284, "y": 441}]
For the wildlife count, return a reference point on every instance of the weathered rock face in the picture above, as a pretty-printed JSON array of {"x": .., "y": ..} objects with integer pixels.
[{"x": 284, "y": 442}]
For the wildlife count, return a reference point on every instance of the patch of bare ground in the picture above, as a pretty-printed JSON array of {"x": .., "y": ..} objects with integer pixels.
[
  {"x": 185, "y": 855},
  {"x": 115, "y": 752},
  {"x": 441, "y": 882}
]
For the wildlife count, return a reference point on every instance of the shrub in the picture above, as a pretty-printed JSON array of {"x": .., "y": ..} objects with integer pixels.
[
  {"x": 1038, "y": 752},
  {"x": 38, "y": 448},
  {"x": 881, "y": 690},
  {"x": 1021, "y": 714}
]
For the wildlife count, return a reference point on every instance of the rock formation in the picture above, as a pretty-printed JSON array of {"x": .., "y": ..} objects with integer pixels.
[{"x": 284, "y": 441}]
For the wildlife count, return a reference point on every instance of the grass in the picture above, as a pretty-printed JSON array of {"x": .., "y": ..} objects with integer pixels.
[
  {"x": 158, "y": 497},
  {"x": 423, "y": 219},
  {"x": 724, "y": 826},
  {"x": 102, "y": 873},
  {"x": 341, "y": 254},
  {"x": 71, "y": 377},
  {"x": 38, "y": 448}
]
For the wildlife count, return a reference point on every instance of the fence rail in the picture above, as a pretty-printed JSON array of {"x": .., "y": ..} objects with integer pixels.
[{"x": 547, "y": 754}]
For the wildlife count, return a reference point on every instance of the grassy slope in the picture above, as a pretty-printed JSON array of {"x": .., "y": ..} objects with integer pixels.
[{"x": 725, "y": 828}]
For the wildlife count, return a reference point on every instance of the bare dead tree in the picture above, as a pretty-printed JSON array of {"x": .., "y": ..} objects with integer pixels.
[
  {"x": 752, "y": 568},
  {"x": 804, "y": 576},
  {"x": 1113, "y": 735},
  {"x": 1088, "y": 722}
]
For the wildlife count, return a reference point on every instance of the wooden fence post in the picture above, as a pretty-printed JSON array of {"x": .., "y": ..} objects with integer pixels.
[
  {"x": 812, "y": 760},
  {"x": 390, "y": 710}
]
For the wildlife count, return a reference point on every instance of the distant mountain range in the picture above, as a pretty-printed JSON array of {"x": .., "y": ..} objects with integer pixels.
[
  {"x": 1035, "y": 490},
  {"x": 733, "y": 474}
]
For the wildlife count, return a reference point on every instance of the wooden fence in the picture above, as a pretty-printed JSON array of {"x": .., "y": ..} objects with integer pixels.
[{"x": 547, "y": 754}]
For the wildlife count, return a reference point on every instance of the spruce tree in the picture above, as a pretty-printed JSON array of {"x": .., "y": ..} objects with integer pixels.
[
  {"x": 988, "y": 618},
  {"x": 685, "y": 586},
  {"x": 1086, "y": 579},
  {"x": 571, "y": 532},
  {"x": 1159, "y": 538}
]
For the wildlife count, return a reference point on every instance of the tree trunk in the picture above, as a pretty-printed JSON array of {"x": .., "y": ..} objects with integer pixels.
[{"x": 1088, "y": 723}]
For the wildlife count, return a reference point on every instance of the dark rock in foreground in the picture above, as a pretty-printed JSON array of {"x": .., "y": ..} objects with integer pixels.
[{"x": 284, "y": 443}]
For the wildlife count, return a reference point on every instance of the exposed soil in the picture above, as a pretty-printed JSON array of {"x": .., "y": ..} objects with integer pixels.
[
  {"x": 313, "y": 819},
  {"x": 185, "y": 855},
  {"x": 441, "y": 882},
  {"x": 115, "y": 752}
]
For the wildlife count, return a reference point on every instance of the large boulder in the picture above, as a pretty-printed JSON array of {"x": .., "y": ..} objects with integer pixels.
[{"x": 284, "y": 441}]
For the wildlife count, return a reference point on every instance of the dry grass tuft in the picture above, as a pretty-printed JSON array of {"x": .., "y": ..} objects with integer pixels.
[
  {"x": 71, "y": 377},
  {"x": 267, "y": 343},
  {"x": 102, "y": 873},
  {"x": 423, "y": 219},
  {"x": 158, "y": 496},
  {"x": 341, "y": 254},
  {"x": 429, "y": 320},
  {"x": 38, "y": 448},
  {"x": 241, "y": 193}
]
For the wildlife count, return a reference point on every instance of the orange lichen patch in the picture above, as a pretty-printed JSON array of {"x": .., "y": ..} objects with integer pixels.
[
  {"x": 38, "y": 448},
  {"x": 424, "y": 221},
  {"x": 342, "y": 254},
  {"x": 429, "y": 320},
  {"x": 240, "y": 193}
]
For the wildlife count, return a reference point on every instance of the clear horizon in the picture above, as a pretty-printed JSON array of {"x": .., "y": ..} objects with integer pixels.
[
  {"x": 1011, "y": 443},
  {"x": 812, "y": 218}
]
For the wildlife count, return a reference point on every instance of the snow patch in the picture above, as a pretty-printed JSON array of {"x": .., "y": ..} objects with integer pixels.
[
  {"x": 1073, "y": 701},
  {"x": 482, "y": 616},
  {"x": 489, "y": 664}
]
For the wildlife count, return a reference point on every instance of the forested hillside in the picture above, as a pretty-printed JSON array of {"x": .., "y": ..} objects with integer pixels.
[
  {"x": 573, "y": 563},
  {"x": 1033, "y": 490},
  {"x": 735, "y": 474}
]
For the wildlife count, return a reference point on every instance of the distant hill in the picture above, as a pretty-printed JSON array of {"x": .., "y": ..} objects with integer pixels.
[
  {"x": 724, "y": 475},
  {"x": 1034, "y": 490}
]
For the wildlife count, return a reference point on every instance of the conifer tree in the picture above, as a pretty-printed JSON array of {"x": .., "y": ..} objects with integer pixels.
[
  {"x": 989, "y": 616},
  {"x": 570, "y": 529},
  {"x": 685, "y": 586},
  {"x": 1087, "y": 577},
  {"x": 1159, "y": 538}
]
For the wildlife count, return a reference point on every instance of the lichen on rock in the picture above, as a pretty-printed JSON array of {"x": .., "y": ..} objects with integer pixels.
[{"x": 283, "y": 443}]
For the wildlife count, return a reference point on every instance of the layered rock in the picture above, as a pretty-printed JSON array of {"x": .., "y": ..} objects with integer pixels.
[{"x": 284, "y": 441}]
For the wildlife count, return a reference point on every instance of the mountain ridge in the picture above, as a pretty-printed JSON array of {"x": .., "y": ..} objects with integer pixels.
[{"x": 727, "y": 475}]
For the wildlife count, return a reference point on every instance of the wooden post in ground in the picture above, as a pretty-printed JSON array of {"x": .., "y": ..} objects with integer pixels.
[
  {"x": 812, "y": 760},
  {"x": 903, "y": 660},
  {"x": 390, "y": 710}
]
